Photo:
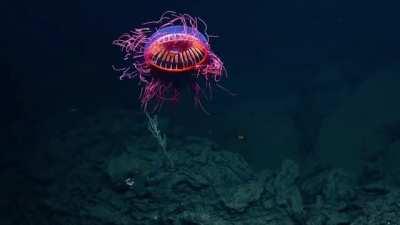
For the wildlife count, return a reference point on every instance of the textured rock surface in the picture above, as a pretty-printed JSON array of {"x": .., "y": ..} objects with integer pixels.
[
  {"x": 384, "y": 210},
  {"x": 104, "y": 172}
]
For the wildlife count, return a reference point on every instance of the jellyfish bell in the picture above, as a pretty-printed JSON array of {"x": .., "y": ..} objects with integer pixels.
[{"x": 176, "y": 49}]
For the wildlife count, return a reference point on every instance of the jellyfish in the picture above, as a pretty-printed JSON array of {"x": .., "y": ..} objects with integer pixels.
[{"x": 169, "y": 55}]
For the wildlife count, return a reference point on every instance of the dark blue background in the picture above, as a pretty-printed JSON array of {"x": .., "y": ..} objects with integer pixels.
[{"x": 57, "y": 55}]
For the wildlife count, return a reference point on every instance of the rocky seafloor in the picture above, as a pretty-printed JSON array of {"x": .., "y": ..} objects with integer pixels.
[{"x": 107, "y": 169}]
